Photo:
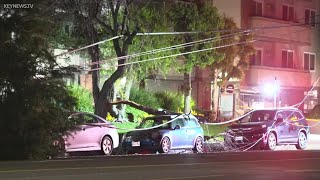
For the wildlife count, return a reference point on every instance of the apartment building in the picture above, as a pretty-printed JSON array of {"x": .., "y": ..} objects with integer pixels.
[{"x": 286, "y": 64}]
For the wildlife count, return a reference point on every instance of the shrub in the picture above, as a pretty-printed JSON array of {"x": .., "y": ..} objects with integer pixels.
[
  {"x": 172, "y": 101},
  {"x": 83, "y": 98},
  {"x": 314, "y": 113},
  {"x": 144, "y": 97}
]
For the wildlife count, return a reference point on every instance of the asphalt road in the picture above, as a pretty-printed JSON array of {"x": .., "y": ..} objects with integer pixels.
[{"x": 240, "y": 165}]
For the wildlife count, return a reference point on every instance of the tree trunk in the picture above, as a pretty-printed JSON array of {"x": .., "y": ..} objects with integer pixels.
[
  {"x": 187, "y": 92},
  {"x": 95, "y": 57},
  {"x": 122, "y": 108},
  {"x": 215, "y": 93}
]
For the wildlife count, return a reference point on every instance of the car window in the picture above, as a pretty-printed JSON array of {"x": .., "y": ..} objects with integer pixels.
[
  {"x": 258, "y": 116},
  {"x": 294, "y": 116},
  {"x": 77, "y": 119},
  {"x": 281, "y": 114},
  {"x": 148, "y": 123},
  {"x": 298, "y": 115},
  {"x": 192, "y": 123},
  {"x": 90, "y": 119},
  {"x": 178, "y": 122}
]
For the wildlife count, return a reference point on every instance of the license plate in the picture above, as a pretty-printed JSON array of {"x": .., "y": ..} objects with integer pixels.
[
  {"x": 135, "y": 143},
  {"x": 238, "y": 138}
]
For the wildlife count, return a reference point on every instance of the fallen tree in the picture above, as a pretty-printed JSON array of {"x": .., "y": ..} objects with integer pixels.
[{"x": 146, "y": 109}]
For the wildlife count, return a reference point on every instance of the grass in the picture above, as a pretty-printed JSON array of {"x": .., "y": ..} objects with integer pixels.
[
  {"x": 125, "y": 127},
  {"x": 213, "y": 130}
]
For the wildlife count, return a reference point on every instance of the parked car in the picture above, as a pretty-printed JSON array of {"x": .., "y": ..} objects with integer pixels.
[
  {"x": 92, "y": 133},
  {"x": 275, "y": 127},
  {"x": 183, "y": 133}
]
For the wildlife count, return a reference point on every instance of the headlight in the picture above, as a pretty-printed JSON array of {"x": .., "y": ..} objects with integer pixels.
[
  {"x": 155, "y": 135},
  {"x": 263, "y": 126}
]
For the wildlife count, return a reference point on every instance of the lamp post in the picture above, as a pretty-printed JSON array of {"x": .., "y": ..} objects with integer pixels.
[{"x": 275, "y": 93}]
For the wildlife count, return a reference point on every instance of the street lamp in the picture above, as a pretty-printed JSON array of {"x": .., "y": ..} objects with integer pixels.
[{"x": 272, "y": 90}]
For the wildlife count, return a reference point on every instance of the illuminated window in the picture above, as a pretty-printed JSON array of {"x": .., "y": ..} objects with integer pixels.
[
  {"x": 257, "y": 58},
  {"x": 287, "y": 13},
  {"x": 310, "y": 17},
  {"x": 287, "y": 59},
  {"x": 256, "y": 8},
  {"x": 309, "y": 60}
]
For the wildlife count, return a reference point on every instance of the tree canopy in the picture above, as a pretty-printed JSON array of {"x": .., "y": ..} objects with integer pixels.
[
  {"x": 34, "y": 106},
  {"x": 190, "y": 17}
]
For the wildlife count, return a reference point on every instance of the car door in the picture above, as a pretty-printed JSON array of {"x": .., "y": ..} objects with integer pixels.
[
  {"x": 178, "y": 135},
  {"x": 85, "y": 135},
  {"x": 281, "y": 127},
  {"x": 293, "y": 126},
  {"x": 191, "y": 131}
]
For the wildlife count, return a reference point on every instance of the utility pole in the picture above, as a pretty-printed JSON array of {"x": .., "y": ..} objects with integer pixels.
[{"x": 275, "y": 93}]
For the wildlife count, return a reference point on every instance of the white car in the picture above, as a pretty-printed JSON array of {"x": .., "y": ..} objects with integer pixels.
[{"x": 93, "y": 133}]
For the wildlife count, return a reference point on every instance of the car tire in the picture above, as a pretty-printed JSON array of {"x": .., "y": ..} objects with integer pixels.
[
  {"x": 106, "y": 146},
  {"x": 302, "y": 141},
  {"x": 165, "y": 145},
  {"x": 198, "y": 145},
  {"x": 271, "y": 141}
]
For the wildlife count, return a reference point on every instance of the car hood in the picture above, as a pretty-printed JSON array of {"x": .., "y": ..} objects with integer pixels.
[
  {"x": 141, "y": 135},
  {"x": 247, "y": 125}
]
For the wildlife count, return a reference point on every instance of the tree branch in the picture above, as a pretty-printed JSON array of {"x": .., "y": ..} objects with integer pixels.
[{"x": 103, "y": 24}]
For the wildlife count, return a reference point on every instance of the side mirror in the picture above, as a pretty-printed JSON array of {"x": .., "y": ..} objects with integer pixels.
[
  {"x": 177, "y": 127},
  {"x": 279, "y": 120}
]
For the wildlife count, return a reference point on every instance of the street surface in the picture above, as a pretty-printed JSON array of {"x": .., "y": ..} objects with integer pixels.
[{"x": 291, "y": 165}]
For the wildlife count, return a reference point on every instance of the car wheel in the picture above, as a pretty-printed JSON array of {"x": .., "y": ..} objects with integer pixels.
[
  {"x": 165, "y": 145},
  {"x": 302, "y": 141},
  {"x": 271, "y": 142},
  {"x": 106, "y": 145},
  {"x": 198, "y": 145}
]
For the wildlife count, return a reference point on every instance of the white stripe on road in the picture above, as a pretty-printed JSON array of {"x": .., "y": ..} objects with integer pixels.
[
  {"x": 151, "y": 165},
  {"x": 302, "y": 170},
  {"x": 190, "y": 177}
]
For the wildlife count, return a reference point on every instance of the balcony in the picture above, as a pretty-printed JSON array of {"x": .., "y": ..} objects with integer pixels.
[
  {"x": 292, "y": 31},
  {"x": 293, "y": 78}
]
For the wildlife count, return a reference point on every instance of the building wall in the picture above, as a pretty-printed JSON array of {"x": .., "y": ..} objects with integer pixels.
[{"x": 293, "y": 35}]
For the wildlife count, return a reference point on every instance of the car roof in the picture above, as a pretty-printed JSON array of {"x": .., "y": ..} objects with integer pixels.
[
  {"x": 277, "y": 109},
  {"x": 171, "y": 116}
]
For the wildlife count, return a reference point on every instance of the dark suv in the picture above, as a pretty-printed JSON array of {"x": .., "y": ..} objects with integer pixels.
[{"x": 271, "y": 127}]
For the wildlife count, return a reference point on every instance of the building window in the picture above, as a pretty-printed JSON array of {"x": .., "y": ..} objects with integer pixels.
[
  {"x": 287, "y": 13},
  {"x": 256, "y": 8},
  {"x": 309, "y": 60},
  {"x": 257, "y": 58},
  {"x": 310, "y": 17},
  {"x": 287, "y": 59}
]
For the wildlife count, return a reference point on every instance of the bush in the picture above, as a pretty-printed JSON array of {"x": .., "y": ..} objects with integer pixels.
[
  {"x": 33, "y": 118},
  {"x": 314, "y": 113},
  {"x": 144, "y": 97},
  {"x": 83, "y": 98},
  {"x": 172, "y": 101}
]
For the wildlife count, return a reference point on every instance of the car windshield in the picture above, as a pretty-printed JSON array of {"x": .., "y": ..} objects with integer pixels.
[
  {"x": 258, "y": 116},
  {"x": 151, "y": 122}
]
